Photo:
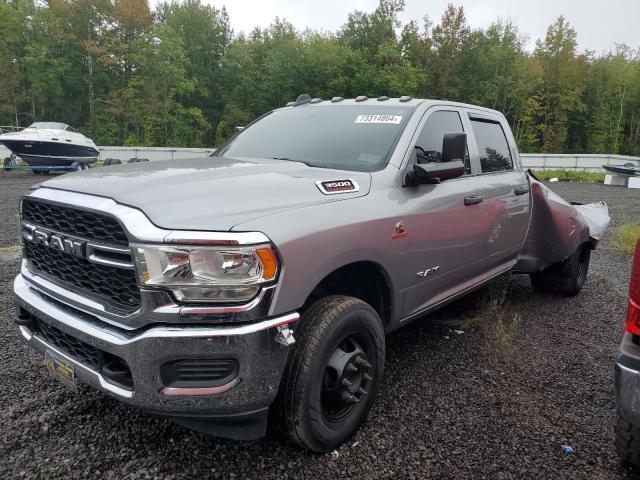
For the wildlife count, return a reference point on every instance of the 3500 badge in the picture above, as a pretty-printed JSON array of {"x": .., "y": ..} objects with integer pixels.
[{"x": 338, "y": 186}]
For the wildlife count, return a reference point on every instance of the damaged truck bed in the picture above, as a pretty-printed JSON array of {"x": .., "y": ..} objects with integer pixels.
[{"x": 558, "y": 228}]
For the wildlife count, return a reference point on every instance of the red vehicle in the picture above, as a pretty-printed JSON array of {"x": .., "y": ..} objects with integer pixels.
[{"x": 628, "y": 374}]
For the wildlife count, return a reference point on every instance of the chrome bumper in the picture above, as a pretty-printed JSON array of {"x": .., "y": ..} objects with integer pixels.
[{"x": 260, "y": 357}]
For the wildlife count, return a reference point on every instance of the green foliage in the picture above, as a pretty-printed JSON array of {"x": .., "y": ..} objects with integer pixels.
[
  {"x": 626, "y": 236},
  {"x": 126, "y": 75},
  {"x": 570, "y": 175}
]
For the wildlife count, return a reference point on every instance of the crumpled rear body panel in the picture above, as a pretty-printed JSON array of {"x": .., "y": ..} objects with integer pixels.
[{"x": 558, "y": 228}]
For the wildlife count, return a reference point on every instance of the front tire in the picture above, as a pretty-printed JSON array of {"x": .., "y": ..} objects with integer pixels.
[
  {"x": 332, "y": 374},
  {"x": 567, "y": 277}
]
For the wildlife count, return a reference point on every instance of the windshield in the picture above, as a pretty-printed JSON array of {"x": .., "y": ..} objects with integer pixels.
[
  {"x": 50, "y": 125},
  {"x": 346, "y": 137}
]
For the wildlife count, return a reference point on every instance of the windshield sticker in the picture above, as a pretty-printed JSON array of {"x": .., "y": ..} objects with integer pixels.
[{"x": 394, "y": 119}]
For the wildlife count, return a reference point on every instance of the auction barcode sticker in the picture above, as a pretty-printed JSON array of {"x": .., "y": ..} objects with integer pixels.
[{"x": 396, "y": 119}]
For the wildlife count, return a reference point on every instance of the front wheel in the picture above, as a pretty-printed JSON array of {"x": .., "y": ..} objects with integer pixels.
[{"x": 333, "y": 373}]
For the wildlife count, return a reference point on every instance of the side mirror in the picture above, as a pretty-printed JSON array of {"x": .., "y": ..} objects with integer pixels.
[
  {"x": 451, "y": 164},
  {"x": 438, "y": 172},
  {"x": 454, "y": 147}
]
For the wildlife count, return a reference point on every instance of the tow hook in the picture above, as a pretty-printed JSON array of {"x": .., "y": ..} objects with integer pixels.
[{"x": 285, "y": 336}]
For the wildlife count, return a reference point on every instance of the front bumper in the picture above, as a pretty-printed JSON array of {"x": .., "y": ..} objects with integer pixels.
[
  {"x": 627, "y": 380},
  {"x": 261, "y": 360}
]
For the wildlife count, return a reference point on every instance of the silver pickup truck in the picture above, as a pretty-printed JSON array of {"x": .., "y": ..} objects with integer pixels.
[{"x": 263, "y": 279}]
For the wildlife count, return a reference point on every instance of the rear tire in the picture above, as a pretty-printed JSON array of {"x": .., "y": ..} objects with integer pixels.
[
  {"x": 567, "y": 277},
  {"x": 332, "y": 374},
  {"x": 628, "y": 442}
]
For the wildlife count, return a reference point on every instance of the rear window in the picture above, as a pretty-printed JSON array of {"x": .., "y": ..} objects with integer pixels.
[
  {"x": 495, "y": 155},
  {"x": 346, "y": 137}
]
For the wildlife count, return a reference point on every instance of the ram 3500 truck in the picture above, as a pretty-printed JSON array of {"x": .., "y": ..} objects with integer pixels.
[{"x": 266, "y": 276}]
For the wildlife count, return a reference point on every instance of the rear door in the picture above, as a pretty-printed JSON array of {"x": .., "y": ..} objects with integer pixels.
[{"x": 505, "y": 188}]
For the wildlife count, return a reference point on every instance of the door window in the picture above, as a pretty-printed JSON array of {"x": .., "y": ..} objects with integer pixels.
[
  {"x": 429, "y": 141},
  {"x": 495, "y": 155}
]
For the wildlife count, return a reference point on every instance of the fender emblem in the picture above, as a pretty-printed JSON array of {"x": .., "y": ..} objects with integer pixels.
[{"x": 428, "y": 271}]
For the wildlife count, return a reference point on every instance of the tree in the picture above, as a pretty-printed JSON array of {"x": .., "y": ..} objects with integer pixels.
[
  {"x": 205, "y": 34},
  {"x": 450, "y": 37},
  {"x": 563, "y": 83},
  {"x": 180, "y": 76}
]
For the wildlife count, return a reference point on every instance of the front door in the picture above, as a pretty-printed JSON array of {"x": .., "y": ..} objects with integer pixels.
[{"x": 446, "y": 221}]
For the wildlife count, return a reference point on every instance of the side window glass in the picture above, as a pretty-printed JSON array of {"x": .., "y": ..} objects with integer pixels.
[
  {"x": 429, "y": 143},
  {"x": 495, "y": 155}
]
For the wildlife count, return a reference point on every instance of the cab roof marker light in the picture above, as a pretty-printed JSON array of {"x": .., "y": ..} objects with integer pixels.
[
  {"x": 290, "y": 104},
  {"x": 302, "y": 99},
  {"x": 383, "y": 98},
  {"x": 316, "y": 100},
  {"x": 405, "y": 98},
  {"x": 337, "y": 99},
  {"x": 361, "y": 98}
]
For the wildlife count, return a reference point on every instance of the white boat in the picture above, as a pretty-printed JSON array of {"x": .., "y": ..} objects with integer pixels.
[
  {"x": 628, "y": 169},
  {"x": 51, "y": 144}
]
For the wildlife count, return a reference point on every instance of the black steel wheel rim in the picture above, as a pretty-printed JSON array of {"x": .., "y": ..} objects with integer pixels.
[{"x": 347, "y": 378}]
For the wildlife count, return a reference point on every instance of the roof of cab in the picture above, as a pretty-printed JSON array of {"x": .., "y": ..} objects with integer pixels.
[{"x": 384, "y": 102}]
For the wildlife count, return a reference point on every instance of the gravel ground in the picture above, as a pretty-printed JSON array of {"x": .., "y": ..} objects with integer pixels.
[{"x": 528, "y": 375}]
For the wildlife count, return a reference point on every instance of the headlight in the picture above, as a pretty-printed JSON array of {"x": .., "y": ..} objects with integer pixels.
[{"x": 206, "y": 274}]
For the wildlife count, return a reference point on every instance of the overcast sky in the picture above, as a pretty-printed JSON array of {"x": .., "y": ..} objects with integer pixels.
[{"x": 599, "y": 23}]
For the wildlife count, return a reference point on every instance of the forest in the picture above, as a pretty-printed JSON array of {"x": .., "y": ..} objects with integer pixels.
[{"x": 178, "y": 75}]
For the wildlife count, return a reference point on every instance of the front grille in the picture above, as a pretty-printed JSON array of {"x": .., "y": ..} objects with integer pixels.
[
  {"x": 81, "y": 352},
  {"x": 87, "y": 225},
  {"x": 115, "y": 286},
  {"x": 113, "y": 368}
]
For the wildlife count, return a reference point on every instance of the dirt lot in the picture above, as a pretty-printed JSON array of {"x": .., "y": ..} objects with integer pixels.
[{"x": 530, "y": 373}]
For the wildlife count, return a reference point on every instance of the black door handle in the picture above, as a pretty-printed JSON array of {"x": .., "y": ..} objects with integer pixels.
[
  {"x": 521, "y": 190},
  {"x": 473, "y": 199}
]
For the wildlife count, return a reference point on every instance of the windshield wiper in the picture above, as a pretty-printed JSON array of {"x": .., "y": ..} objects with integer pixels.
[{"x": 292, "y": 160}]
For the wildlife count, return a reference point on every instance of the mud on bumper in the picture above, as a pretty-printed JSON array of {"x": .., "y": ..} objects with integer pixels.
[{"x": 236, "y": 408}]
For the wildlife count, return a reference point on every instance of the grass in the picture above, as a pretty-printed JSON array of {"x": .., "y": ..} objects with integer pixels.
[
  {"x": 626, "y": 236},
  {"x": 570, "y": 175},
  {"x": 498, "y": 323}
]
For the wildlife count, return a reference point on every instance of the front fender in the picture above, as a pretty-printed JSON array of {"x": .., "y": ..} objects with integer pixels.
[{"x": 313, "y": 242}]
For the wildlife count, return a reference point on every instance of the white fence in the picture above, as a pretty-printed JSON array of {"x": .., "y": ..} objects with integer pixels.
[
  {"x": 536, "y": 161},
  {"x": 152, "y": 153},
  {"x": 589, "y": 162}
]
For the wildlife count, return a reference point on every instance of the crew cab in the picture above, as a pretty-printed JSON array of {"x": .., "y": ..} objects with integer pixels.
[{"x": 266, "y": 276}]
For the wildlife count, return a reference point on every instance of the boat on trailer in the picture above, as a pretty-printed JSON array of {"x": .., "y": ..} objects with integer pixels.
[
  {"x": 51, "y": 144},
  {"x": 628, "y": 169}
]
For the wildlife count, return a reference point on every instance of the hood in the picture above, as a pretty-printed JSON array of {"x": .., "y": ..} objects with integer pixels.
[{"x": 212, "y": 193}]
